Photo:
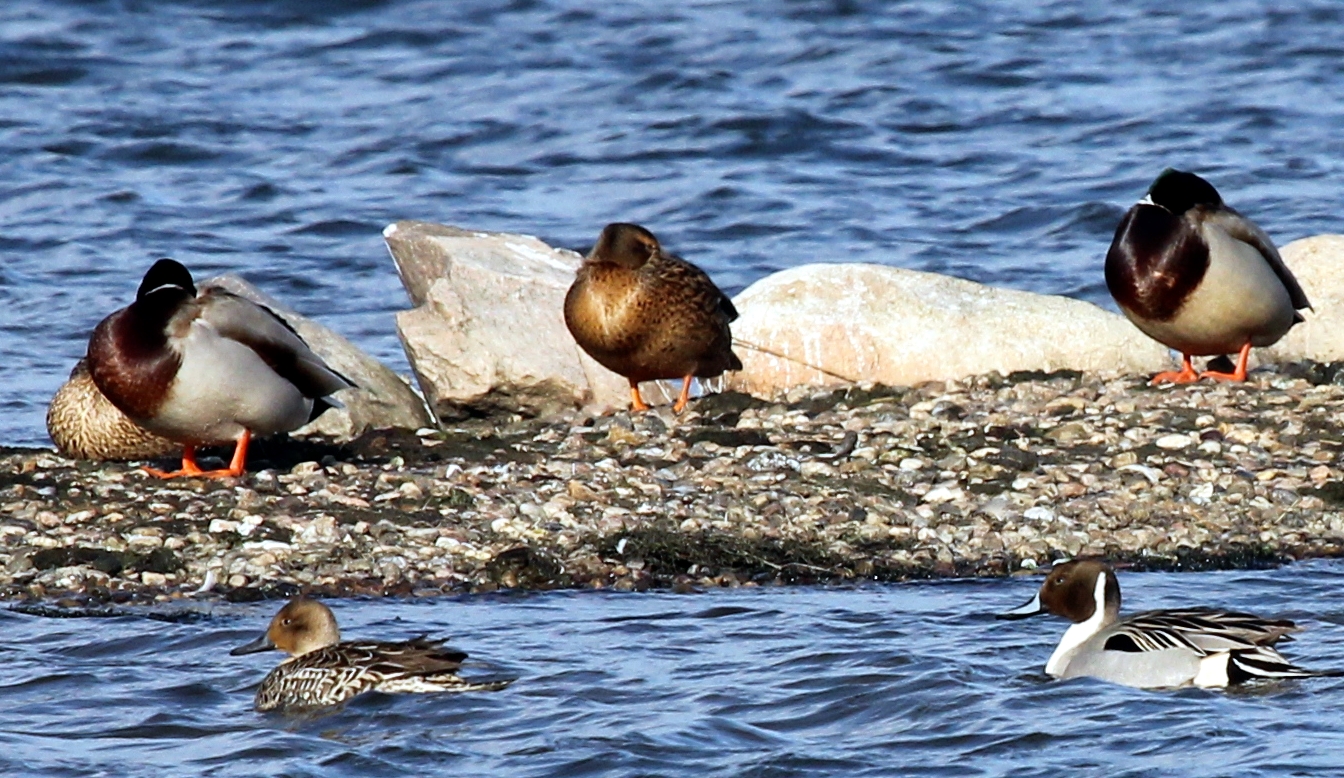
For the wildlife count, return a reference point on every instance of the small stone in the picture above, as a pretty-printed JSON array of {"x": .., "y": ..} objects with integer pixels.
[{"x": 1174, "y": 441}]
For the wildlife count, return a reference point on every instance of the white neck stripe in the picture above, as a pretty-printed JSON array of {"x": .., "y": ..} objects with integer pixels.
[{"x": 1080, "y": 633}]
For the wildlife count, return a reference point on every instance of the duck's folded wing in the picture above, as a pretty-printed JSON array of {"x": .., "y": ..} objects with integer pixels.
[
  {"x": 685, "y": 279},
  {"x": 1249, "y": 232},
  {"x": 278, "y": 344},
  {"x": 1202, "y": 630}
]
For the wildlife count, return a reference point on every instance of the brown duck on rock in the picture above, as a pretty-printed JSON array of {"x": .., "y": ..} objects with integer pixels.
[{"x": 649, "y": 315}]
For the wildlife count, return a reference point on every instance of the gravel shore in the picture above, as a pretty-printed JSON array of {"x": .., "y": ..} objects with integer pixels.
[{"x": 986, "y": 476}]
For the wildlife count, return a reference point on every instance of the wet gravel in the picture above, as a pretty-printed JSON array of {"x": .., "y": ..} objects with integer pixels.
[{"x": 986, "y": 476}]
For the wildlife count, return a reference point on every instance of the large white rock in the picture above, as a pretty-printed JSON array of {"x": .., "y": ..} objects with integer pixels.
[
  {"x": 1317, "y": 263},
  {"x": 831, "y": 324},
  {"x": 488, "y": 332},
  {"x": 380, "y": 400}
]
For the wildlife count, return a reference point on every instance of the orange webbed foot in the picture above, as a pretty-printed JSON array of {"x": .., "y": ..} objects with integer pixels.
[
  {"x": 1238, "y": 374},
  {"x": 1186, "y": 375},
  {"x": 192, "y": 470},
  {"x": 684, "y": 397},
  {"x": 636, "y": 400}
]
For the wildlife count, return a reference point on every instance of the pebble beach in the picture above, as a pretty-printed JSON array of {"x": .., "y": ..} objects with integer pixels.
[{"x": 987, "y": 476}]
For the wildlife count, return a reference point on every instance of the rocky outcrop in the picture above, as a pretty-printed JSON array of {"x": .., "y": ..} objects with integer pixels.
[
  {"x": 832, "y": 324},
  {"x": 487, "y": 334},
  {"x": 1316, "y": 261},
  {"x": 380, "y": 399}
]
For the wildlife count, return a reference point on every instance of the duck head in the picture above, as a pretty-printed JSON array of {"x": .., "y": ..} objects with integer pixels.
[
  {"x": 627, "y": 245},
  {"x": 1177, "y": 191},
  {"x": 301, "y": 626},
  {"x": 167, "y": 277},
  {"x": 1074, "y": 590}
]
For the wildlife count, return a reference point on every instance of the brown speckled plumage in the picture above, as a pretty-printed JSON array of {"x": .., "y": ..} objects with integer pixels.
[
  {"x": 648, "y": 315},
  {"x": 84, "y": 424},
  {"x": 324, "y": 671}
]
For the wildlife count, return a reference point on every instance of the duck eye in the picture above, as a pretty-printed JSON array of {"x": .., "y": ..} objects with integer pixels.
[{"x": 287, "y": 622}]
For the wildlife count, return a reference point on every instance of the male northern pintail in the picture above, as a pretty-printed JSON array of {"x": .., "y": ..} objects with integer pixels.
[
  {"x": 646, "y": 314},
  {"x": 206, "y": 369},
  {"x": 1155, "y": 649},
  {"x": 1198, "y": 277},
  {"x": 324, "y": 671}
]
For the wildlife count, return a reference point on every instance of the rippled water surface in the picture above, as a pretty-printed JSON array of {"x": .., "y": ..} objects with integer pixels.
[
  {"x": 996, "y": 141},
  {"x": 912, "y": 679}
]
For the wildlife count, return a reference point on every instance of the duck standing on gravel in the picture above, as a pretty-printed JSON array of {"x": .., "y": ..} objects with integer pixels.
[
  {"x": 206, "y": 369},
  {"x": 649, "y": 315},
  {"x": 1155, "y": 649},
  {"x": 1198, "y": 277},
  {"x": 322, "y": 671}
]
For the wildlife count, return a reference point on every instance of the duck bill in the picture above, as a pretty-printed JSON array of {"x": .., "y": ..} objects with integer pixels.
[
  {"x": 262, "y": 643},
  {"x": 1032, "y": 608}
]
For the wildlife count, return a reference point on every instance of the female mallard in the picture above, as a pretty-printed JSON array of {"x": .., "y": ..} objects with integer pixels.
[
  {"x": 649, "y": 315},
  {"x": 1199, "y": 277},
  {"x": 321, "y": 670},
  {"x": 205, "y": 369},
  {"x": 85, "y": 425}
]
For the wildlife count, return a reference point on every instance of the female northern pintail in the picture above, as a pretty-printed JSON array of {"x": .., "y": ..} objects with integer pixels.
[
  {"x": 324, "y": 671},
  {"x": 206, "y": 369},
  {"x": 1198, "y": 277},
  {"x": 1156, "y": 649}
]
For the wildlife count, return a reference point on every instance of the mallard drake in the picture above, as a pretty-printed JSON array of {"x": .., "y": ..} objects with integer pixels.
[
  {"x": 1156, "y": 649},
  {"x": 206, "y": 369},
  {"x": 85, "y": 425},
  {"x": 322, "y": 670},
  {"x": 649, "y": 315},
  {"x": 1199, "y": 277}
]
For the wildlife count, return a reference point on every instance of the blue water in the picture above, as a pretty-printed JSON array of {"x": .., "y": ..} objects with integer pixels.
[
  {"x": 913, "y": 679},
  {"x": 995, "y": 141}
]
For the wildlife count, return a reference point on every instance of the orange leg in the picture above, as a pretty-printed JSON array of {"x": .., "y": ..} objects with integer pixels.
[
  {"x": 685, "y": 395},
  {"x": 636, "y": 400},
  {"x": 1186, "y": 376},
  {"x": 1239, "y": 374},
  {"x": 190, "y": 468}
]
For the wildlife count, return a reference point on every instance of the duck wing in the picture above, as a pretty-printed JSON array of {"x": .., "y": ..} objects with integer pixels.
[
  {"x": 687, "y": 281},
  {"x": 1249, "y": 232},
  {"x": 278, "y": 344},
  {"x": 1204, "y": 631}
]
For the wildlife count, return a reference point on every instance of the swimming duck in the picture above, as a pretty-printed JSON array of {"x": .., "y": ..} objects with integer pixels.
[
  {"x": 649, "y": 315},
  {"x": 84, "y": 425},
  {"x": 1198, "y": 277},
  {"x": 207, "y": 368},
  {"x": 1155, "y": 649},
  {"x": 321, "y": 670}
]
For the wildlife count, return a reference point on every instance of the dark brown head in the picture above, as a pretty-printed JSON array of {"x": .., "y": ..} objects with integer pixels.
[
  {"x": 1158, "y": 255},
  {"x": 628, "y": 245},
  {"x": 1075, "y": 590},
  {"x": 301, "y": 626}
]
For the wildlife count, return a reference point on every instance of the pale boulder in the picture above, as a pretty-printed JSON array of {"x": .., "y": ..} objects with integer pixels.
[
  {"x": 818, "y": 325},
  {"x": 380, "y": 399},
  {"x": 487, "y": 334},
  {"x": 1316, "y": 262}
]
